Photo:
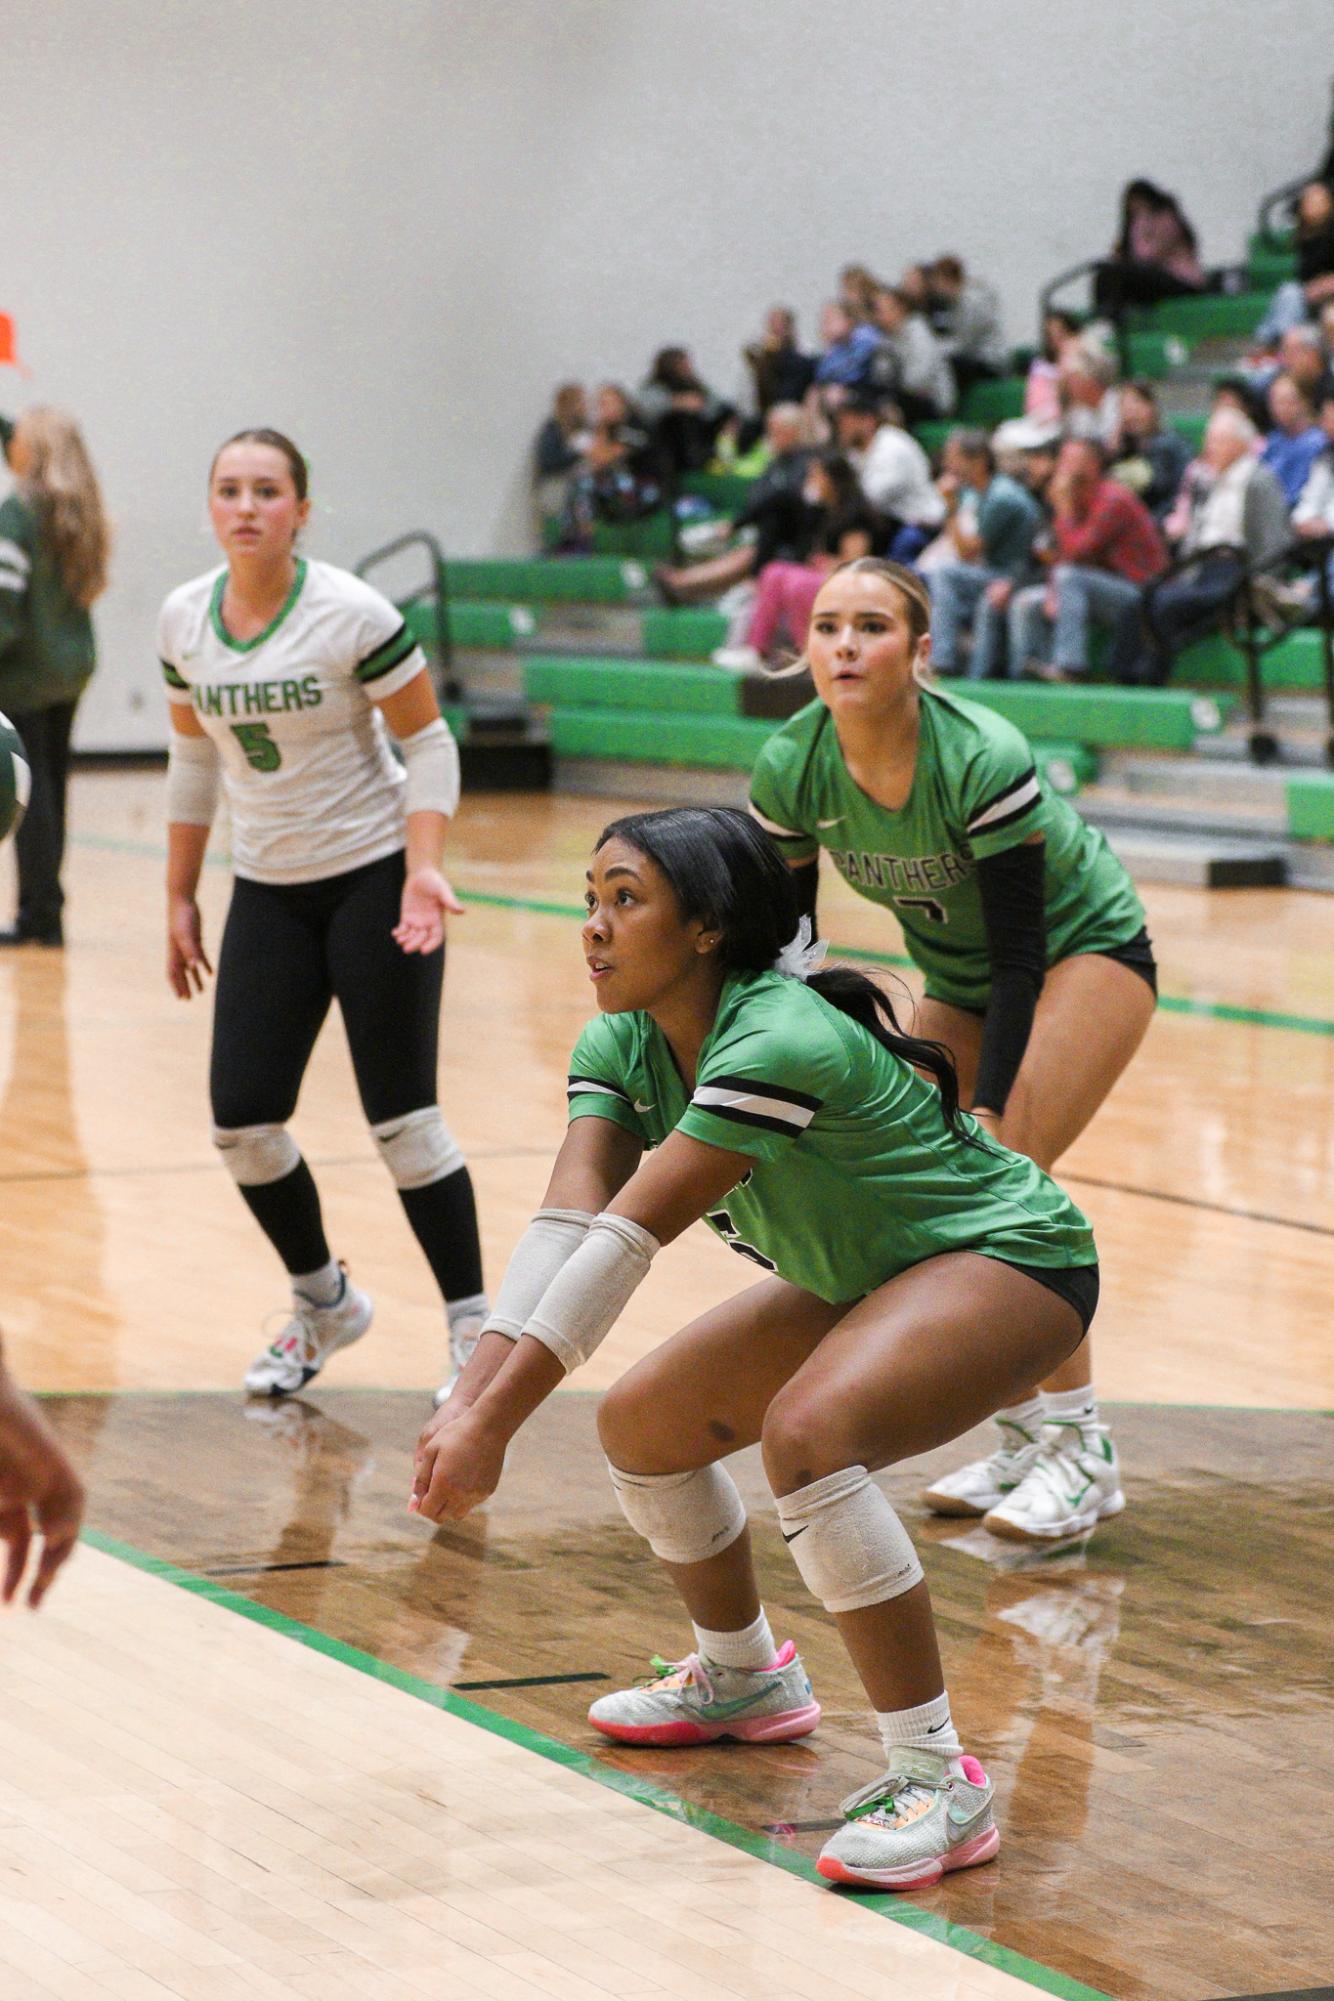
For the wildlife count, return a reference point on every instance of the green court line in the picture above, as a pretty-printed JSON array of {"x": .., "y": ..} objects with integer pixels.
[
  {"x": 643, "y": 1791},
  {"x": 1204, "y": 1010}
]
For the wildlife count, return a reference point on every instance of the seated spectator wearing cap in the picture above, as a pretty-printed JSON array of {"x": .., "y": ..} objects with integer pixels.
[
  {"x": 843, "y": 525},
  {"x": 1086, "y": 383},
  {"x": 1154, "y": 256},
  {"x": 1296, "y": 439},
  {"x": 1303, "y": 298},
  {"x": 1042, "y": 386},
  {"x": 558, "y": 450},
  {"x": 910, "y": 365},
  {"x": 1241, "y": 507},
  {"x": 967, "y": 320},
  {"x": 779, "y": 370},
  {"x": 993, "y": 522},
  {"x": 775, "y": 521},
  {"x": 1106, "y": 546},
  {"x": 1148, "y": 456},
  {"x": 894, "y": 471},
  {"x": 849, "y": 347}
]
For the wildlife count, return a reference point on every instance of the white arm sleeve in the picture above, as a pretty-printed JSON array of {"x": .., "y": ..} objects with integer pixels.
[
  {"x": 551, "y": 1239},
  {"x": 588, "y": 1295},
  {"x": 192, "y": 780},
  {"x": 431, "y": 757}
]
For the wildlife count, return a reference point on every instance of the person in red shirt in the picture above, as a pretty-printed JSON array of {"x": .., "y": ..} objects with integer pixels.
[{"x": 1105, "y": 546}]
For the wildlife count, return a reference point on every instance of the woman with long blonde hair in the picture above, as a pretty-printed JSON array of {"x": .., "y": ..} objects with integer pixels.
[{"x": 54, "y": 545}]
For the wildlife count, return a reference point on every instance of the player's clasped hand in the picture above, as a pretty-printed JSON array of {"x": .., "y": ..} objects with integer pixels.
[
  {"x": 187, "y": 962},
  {"x": 40, "y": 1495},
  {"x": 458, "y": 1466},
  {"x": 427, "y": 901}
]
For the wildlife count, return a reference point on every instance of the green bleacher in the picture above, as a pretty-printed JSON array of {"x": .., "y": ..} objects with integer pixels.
[
  {"x": 1310, "y": 799},
  {"x": 544, "y": 580}
]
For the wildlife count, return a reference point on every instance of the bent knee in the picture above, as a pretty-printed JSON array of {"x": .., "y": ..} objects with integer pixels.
[{"x": 802, "y": 1442}]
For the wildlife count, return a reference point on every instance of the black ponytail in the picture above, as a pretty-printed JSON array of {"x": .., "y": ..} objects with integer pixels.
[{"x": 724, "y": 870}]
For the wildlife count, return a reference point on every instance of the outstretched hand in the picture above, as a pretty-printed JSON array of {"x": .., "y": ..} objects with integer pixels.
[{"x": 427, "y": 901}]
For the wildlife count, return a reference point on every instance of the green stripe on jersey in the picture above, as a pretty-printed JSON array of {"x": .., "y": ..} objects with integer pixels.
[
  {"x": 387, "y": 656},
  {"x": 974, "y": 793},
  {"x": 171, "y": 677},
  {"x": 249, "y": 645}
]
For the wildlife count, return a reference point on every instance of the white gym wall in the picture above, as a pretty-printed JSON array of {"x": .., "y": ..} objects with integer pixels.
[{"x": 390, "y": 229}]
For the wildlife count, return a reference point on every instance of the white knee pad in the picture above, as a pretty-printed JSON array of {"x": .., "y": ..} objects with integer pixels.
[
  {"x": 849, "y": 1545},
  {"x": 683, "y": 1517},
  {"x": 419, "y": 1148},
  {"x": 255, "y": 1155}
]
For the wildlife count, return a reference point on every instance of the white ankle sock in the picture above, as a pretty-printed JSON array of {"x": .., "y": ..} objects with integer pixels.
[
  {"x": 1071, "y": 1406},
  {"x": 929, "y": 1727},
  {"x": 459, "y": 1311},
  {"x": 323, "y": 1287},
  {"x": 751, "y": 1647},
  {"x": 1028, "y": 1416}
]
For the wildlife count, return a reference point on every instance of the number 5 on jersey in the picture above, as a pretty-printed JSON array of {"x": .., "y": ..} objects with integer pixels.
[{"x": 259, "y": 747}]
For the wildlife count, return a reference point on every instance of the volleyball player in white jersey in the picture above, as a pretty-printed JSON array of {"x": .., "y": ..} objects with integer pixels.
[{"x": 282, "y": 673}]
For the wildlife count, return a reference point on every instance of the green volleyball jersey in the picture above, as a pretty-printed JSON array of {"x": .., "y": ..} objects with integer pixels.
[
  {"x": 856, "y": 1175},
  {"x": 975, "y": 792}
]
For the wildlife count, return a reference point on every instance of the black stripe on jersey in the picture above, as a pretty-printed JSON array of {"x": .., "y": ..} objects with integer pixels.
[
  {"x": 1006, "y": 819},
  {"x": 171, "y": 677},
  {"x": 386, "y": 656},
  {"x": 600, "y": 1087},
  {"x": 1014, "y": 785},
  {"x": 740, "y": 1118},
  {"x": 759, "y": 1089}
]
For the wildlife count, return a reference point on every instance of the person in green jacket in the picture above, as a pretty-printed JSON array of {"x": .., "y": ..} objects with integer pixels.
[{"x": 54, "y": 543}]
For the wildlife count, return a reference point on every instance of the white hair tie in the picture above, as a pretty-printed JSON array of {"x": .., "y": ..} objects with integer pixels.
[{"x": 800, "y": 957}]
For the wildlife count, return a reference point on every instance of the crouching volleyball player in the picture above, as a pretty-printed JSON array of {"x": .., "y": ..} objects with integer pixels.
[
  {"x": 918, "y": 1275},
  {"x": 281, "y": 675}
]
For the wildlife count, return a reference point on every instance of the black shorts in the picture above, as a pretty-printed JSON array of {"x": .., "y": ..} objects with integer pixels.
[
  {"x": 1137, "y": 953},
  {"x": 1077, "y": 1285}
]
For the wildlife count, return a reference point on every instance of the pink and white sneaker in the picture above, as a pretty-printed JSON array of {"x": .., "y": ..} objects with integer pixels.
[{"x": 696, "y": 1702}]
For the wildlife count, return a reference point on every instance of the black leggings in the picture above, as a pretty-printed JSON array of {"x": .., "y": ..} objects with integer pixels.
[{"x": 290, "y": 949}]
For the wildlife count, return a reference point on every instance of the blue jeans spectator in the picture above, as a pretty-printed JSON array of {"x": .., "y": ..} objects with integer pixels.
[
  {"x": 1085, "y": 598},
  {"x": 1190, "y": 607},
  {"x": 958, "y": 602}
]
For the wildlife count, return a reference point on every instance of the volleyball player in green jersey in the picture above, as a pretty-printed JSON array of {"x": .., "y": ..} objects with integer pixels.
[
  {"x": 917, "y": 1273},
  {"x": 1040, "y": 978}
]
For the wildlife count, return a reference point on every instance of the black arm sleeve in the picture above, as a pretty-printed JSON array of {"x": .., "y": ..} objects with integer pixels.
[
  {"x": 806, "y": 882},
  {"x": 1012, "y": 886}
]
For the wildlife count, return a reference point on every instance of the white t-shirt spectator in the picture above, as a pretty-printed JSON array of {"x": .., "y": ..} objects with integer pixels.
[{"x": 895, "y": 475}]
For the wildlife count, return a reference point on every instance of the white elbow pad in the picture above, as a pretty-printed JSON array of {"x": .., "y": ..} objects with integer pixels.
[
  {"x": 431, "y": 759},
  {"x": 588, "y": 1295},
  {"x": 549, "y": 1242},
  {"x": 192, "y": 780}
]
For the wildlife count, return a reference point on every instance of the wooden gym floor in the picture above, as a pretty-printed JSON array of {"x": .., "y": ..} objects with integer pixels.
[{"x": 258, "y": 1784}]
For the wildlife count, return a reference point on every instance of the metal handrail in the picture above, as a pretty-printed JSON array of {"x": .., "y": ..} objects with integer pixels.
[
  {"x": 1087, "y": 269},
  {"x": 451, "y": 687}
]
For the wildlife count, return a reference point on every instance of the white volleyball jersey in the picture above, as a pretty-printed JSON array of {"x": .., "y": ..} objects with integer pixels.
[{"x": 313, "y": 786}]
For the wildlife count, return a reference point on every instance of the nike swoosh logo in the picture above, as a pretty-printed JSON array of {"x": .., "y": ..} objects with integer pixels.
[
  {"x": 642, "y": 1108},
  {"x": 795, "y": 1533},
  {"x": 837, "y": 821},
  {"x": 717, "y": 1709},
  {"x": 1075, "y": 1499},
  {"x": 935, "y": 1728},
  {"x": 958, "y": 1819}
]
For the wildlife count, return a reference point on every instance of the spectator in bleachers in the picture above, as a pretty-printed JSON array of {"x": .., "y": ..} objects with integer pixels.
[
  {"x": 967, "y": 320},
  {"x": 1303, "y": 355},
  {"x": 1302, "y": 298},
  {"x": 1026, "y": 448},
  {"x": 1042, "y": 388},
  {"x": 1106, "y": 547},
  {"x": 1086, "y": 382},
  {"x": 843, "y": 525},
  {"x": 1240, "y": 507},
  {"x": 1295, "y": 440},
  {"x": 1148, "y": 456},
  {"x": 558, "y": 450},
  {"x": 616, "y": 479},
  {"x": 1313, "y": 515},
  {"x": 909, "y": 364},
  {"x": 774, "y": 524},
  {"x": 894, "y": 471},
  {"x": 848, "y": 351},
  {"x": 1154, "y": 256},
  {"x": 992, "y": 521},
  {"x": 683, "y": 415},
  {"x": 781, "y": 372},
  {"x": 856, "y": 290}
]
